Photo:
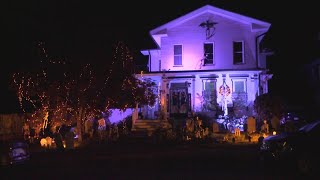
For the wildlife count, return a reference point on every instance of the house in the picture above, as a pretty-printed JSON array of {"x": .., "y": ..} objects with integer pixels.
[
  {"x": 311, "y": 73},
  {"x": 206, "y": 61}
]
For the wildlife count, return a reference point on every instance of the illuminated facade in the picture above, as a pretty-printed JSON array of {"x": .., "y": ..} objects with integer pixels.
[{"x": 205, "y": 61}]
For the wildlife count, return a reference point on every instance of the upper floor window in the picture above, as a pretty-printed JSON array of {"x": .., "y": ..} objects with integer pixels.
[
  {"x": 208, "y": 53},
  {"x": 177, "y": 55},
  {"x": 238, "y": 52}
]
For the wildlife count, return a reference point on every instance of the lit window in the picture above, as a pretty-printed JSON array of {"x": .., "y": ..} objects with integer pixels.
[
  {"x": 178, "y": 55},
  {"x": 239, "y": 86},
  {"x": 208, "y": 53},
  {"x": 238, "y": 52}
]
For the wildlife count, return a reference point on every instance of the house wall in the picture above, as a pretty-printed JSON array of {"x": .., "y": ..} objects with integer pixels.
[
  {"x": 187, "y": 32},
  {"x": 117, "y": 115},
  {"x": 192, "y": 36},
  {"x": 155, "y": 60},
  {"x": 196, "y": 85}
]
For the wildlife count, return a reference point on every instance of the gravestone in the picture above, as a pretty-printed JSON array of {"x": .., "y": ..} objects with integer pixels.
[
  {"x": 275, "y": 123},
  {"x": 215, "y": 127},
  {"x": 237, "y": 131},
  {"x": 251, "y": 122}
]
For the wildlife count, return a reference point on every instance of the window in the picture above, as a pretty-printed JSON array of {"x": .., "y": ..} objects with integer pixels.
[
  {"x": 238, "y": 52},
  {"x": 209, "y": 95},
  {"x": 177, "y": 55},
  {"x": 208, "y": 53},
  {"x": 239, "y": 86}
]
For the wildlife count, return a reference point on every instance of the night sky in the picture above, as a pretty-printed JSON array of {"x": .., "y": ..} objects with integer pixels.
[{"x": 85, "y": 31}]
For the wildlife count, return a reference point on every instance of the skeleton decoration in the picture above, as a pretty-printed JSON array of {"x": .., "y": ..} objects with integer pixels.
[{"x": 210, "y": 28}]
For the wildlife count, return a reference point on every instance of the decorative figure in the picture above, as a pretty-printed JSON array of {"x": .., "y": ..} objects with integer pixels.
[
  {"x": 224, "y": 90},
  {"x": 43, "y": 142},
  {"x": 49, "y": 142},
  {"x": 183, "y": 108},
  {"x": 265, "y": 127},
  {"x": 26, "y": 131},
  {"x": 210, "y": 29},
  {"x": 45, "y": 120},
  {"x": 199, "y": 131},
  {"x": 175, "y": 99}
]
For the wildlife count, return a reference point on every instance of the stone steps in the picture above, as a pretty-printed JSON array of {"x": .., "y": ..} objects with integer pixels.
[{"x": 147, "y": 126}]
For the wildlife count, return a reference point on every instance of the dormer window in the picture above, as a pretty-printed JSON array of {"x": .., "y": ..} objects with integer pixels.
[
  {"x": 238, "y": 52},
  {"x": 177, "y": 55},
  {"x": 208, "y": 53}
]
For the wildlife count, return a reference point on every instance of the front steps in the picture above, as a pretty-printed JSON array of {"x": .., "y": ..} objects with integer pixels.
[
  {"x": 145, "y": 125},
  {"x": 149, "y": 126}
]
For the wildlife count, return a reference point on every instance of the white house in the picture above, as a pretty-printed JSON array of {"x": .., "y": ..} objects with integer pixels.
[{"x": 205, "y": 60}]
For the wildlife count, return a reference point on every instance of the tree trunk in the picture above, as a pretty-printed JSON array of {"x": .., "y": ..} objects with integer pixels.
[{"x": 79, "y": 124}]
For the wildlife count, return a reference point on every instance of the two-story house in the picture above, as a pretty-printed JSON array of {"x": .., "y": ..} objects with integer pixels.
[{"x": 205, "y": 61}]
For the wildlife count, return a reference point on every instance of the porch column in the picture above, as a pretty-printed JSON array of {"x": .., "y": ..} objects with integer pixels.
[
  {"x": 135, "y": 114},
  {"x": 193, "y": 94},
  {"x": 164, "y": 92}
]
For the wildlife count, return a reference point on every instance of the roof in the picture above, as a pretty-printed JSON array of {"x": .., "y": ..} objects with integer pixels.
[{"x": 256, "y": 25}]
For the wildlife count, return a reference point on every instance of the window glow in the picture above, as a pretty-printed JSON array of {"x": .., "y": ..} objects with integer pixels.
[{"x": 177, "y": 54}]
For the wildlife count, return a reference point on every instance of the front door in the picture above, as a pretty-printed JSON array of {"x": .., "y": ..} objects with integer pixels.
[{"x": 179, "y": 100}]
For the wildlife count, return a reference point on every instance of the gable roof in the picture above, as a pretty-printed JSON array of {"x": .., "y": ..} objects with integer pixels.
[{"x": 256, "y": 25}]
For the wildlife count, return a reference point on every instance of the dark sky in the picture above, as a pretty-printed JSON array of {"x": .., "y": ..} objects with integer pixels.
[{"x": 84, "y": 31}]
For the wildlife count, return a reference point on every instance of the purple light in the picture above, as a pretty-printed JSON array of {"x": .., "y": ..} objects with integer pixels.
[{"x": 117, "y": 115}]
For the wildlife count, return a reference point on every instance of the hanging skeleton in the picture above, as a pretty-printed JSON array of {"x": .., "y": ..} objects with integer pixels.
[{"x": 224, "y": 90}]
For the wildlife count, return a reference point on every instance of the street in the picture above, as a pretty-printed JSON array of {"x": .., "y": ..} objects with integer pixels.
[{"x": 147, "y": 161}]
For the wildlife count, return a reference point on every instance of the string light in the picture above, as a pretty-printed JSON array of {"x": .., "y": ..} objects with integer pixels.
[{"x": 64, "y": 99}]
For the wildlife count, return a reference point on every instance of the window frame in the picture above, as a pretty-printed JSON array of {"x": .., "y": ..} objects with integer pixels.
[
  {"x": 239, "y": 80},
  {"x": 177, "y": 55},
  {"x": 209, "y": 80},
  {"x": 238, "y": 52},
  {"x": 204, "y": 53}
]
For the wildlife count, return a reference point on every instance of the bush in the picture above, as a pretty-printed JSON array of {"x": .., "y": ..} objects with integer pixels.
[{"x": 206, "y": 119}]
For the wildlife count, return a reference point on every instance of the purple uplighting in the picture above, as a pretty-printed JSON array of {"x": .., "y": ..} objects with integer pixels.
[{"x": 189, "y": 58}]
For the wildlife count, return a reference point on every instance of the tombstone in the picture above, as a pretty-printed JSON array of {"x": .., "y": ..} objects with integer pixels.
[
  {"x": 251, "y": 122},
  {"x": 265, "y": 127},
  {"x": 49, "y": 142},
  {"x": 215, "y": 127},
  {"x": 69, "y": 139},
  {"x": 88, "y": 126},
  {"x": 43, "y": 142},
  {"x": 237, "y": 131},
  {"x": 275, "y": 123}
]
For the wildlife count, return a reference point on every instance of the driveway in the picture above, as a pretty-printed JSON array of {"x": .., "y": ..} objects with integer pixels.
[{"x": 148, "y": 161}]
